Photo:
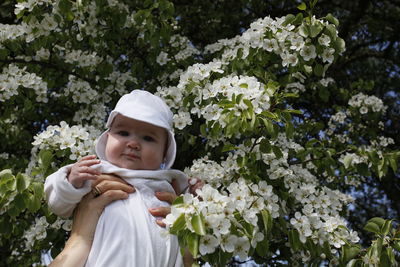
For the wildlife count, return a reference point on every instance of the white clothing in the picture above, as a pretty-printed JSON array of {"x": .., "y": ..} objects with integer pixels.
[{"x": 126, "y": 234}]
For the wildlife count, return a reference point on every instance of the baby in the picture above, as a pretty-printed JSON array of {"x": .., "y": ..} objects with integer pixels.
[{"x": 138, "y": 146}]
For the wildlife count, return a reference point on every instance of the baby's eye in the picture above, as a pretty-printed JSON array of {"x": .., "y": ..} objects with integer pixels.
[
  {"x": 123, "y": 133},
  {"x": 148, "y": 138}
]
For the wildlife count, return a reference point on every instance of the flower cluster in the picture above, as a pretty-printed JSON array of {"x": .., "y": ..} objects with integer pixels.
[
  {"x": 29, "y": 5},
  {"x": 38, "y": 230},
  {"x": 180, "y": 48},
  {"x": 119, "y": 82},
  {"x": 79, "y": 140},
  {"x": 352, "y": 159},
  {"x": 80, "y": 90},
  {"x": 226, "y": 214},
  {"x": 217, "y": 174},
  {"x": 184, "y": 46},
  {"x": 292, "y": 44},
  {"x": 13, "y": 77},
  {"x": 219, "y": 100},
  {"x": 382, "y": 142},
  {"x": 83, "y": 58},
  {"x": 11, "y": 32},
  {"x": 366, "y": 103}
]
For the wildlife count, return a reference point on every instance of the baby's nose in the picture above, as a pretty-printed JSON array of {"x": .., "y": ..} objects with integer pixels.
[{"x": 134, "y": 143}]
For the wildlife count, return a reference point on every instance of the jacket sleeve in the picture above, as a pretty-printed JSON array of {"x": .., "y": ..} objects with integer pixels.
[{"x": 61, "y": 196}]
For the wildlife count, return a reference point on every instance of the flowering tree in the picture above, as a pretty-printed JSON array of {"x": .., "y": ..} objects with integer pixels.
[{"x": 278, "y": 180}]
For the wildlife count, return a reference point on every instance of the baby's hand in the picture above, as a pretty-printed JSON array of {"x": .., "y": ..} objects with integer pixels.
[
  {"x": 81, "y": 171},
  {"x": 194, "y": 184}
]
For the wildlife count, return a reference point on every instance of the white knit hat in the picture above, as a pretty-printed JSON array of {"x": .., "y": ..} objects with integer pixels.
[{"x": 142, "y": 106}]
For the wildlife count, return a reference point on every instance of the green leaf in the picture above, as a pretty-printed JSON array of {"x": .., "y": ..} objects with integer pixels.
[
  {"x": 6, "y": 175},
  {"x": 332, "y": 19},
  {"x": 350, "y": 252},
  {"x": 65, "y": 6},
  {"x": 45, "y": 159},
  {"x": 315, "y": 30},
  {"x": 289, "y": 129},
  {"x": 5, "y": 225},
  {"x": 396, "y": 245},
  {"x": 178, "y": 201},
  {"x": 378, "y": 221},
  {"x": 302, "y": 6},
  {"x": 339, "y": 45},
  {"x": 3, "y": 54},
  {"x": 33, "y": 203},
  {"x": 386, "y": 227},
  {"x": 352, "y": 263},
  {"x": 19, "y": 202},
  {"x": 38, "y": 189},
  {"x": 289, "y": 19},
  {"x": 269, "y": 114},
  {"x": 294, "y": 240},
  {"x": 244, "y": 85},
  {"x": 178, "y": 225},
  {"x": 331, "y": 31},
  {"x": 324, "y": 94},
  {"x": 295, "y": 111},
  {"x": 23, "y": 182},
  {"x": 203, "y": 130},
  {"x": 277, "y": 151},
  {"x": 393, "y": 163},
  {"x": 11, "y": 184},
  {"x": 198, "y": 224},
  {"x": 372, "y": 227},
  {"x": 311, "y": 143},
  {"x": 386, "y": 256},
  {"x": 193, "y": 244},
  {"x": 267, "y": 220},
  {"x": 228, "y": 147},
  {"x": 319, "y": 70},
  {"x": 262, "y": 247},
  {"x": 269, "y": 126},
  {"x": 304, "y": 30},
  {"x": 298, "y": 20},
  {"x": 265, "y": 146}
]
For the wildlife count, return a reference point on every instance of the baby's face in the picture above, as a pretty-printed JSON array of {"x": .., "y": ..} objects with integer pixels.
[{"x": 135, "y": 144}]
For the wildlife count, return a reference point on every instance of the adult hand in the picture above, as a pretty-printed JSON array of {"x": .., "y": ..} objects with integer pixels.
[
  {"x": 168, "y": 197},
  {"x": 194, "y": 184},
  {"x": 90, "y": 208},
  {"x": 86, "y": 216}
]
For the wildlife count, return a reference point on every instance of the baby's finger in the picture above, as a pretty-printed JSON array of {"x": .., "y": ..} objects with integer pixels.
[
  {"x": 88, "y": 157},
  {"x": 88, "y": 163},
  {"x": 86, "y": 176},
  {"x": 87, "y": 169}
]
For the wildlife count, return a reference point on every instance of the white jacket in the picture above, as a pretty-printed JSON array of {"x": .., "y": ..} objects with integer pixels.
[{"x": 126, "y": 234}]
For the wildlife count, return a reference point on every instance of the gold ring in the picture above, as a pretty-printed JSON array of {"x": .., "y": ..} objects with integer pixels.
[{"x": 96, "y": 191}]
